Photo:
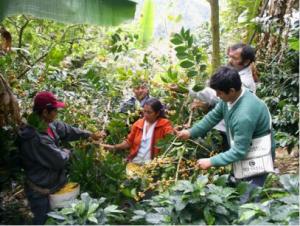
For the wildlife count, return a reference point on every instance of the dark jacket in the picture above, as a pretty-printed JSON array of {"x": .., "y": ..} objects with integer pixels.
[
  {"x": 130, "y": 105},
  {"x": 43, "y": 158}
]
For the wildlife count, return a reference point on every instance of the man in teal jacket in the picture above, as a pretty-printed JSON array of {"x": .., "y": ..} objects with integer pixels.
[{"x": 246, "y": 117}]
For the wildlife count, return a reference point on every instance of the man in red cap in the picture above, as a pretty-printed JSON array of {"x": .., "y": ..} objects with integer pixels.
[{"x": 43, "y": 157}]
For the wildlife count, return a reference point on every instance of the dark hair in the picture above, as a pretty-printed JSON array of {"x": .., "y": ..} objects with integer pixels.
[
  {"x": 225, "y": 79},
  {"x": 156, "y": 106},
  {"x": 39, "y": 110},
  {"x": 248, "y": 53}
]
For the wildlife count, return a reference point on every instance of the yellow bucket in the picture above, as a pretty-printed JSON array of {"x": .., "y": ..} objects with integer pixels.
[{"x": 64, "y": 196}]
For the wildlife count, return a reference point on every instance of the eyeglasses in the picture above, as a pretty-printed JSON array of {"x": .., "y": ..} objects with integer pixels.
[{"x": 148, "y": 112}]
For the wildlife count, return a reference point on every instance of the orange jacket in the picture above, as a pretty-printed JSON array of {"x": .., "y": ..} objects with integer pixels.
[{"x": 162, "y": 127}]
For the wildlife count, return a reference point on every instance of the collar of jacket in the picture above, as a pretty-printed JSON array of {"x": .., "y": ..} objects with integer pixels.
[{"x": 160, "y": 122}]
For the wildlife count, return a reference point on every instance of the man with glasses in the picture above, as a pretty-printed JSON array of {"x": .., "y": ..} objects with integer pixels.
[{"x": 241, "y": 56}]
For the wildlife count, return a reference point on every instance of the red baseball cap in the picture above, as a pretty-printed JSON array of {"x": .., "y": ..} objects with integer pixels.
[{"x": 46, "y": 99}]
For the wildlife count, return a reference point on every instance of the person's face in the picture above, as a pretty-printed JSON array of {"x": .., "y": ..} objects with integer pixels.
[
  {"x": 49, "y": 116},
  {"x": 227, "y": 97},
  {"x": 140, "y": 92},
  {"x": 149, "y": 114},
  {"x": 235, "y": 59}
]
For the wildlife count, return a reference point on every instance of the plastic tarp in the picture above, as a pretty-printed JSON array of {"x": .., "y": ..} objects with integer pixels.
[{"x": 99, "y": 12}]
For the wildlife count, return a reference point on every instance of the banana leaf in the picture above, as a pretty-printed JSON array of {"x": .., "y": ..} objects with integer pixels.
[
  {"x": 147, "y": 23},
  {"x": 98, "y": 12}
]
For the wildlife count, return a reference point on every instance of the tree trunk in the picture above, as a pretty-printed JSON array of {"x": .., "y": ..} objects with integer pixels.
[
  {"x": 214, "y": 19},
  {"x": 272, "y": 43}
]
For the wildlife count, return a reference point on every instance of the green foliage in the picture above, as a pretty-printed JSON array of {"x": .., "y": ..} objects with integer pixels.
[
  {"x": 237, "y": 19},
  {"x": 86, "y": 211},
  {"x": 278, "y": 206},
  {"x": 212, "y": 202},
  {"x": 279, "y": 89},
  {"x": 190, "y": 203},
  {"x": 121, "y": 41},
  {"x": 117, "y": 128},
  {"x": 35, "y": 121},
  {"x": 189, "y": 54},
  {"x": 10, "y": 168},
  {"x": 99, "y": 174}
]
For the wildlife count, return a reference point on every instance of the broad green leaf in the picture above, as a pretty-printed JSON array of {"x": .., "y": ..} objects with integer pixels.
[
  {"x": 209, "y": 218},
  {"x": 198, "y": 58},
  {"x": 66, "y": 211},
  {"x": 177, "y": 36},
  {"x": 155, "y": 218},
  {"x": 280, "y": 213},
  {"x": 202, "y": 180},
  {"x": 112, "y": 209},
  {"x": 247, "y": 215},
  {"x": 93, "y": 207},
  {"x": 93, "y": 219},
  {"x": 294, "y": 44},
  {"x": 55, "y": 56},
  {"x": 182, "y": 55},
  {"x": 164, "y": 78},
  {"x": 179, "y": 203},
  {"x": 80, "y": 207},
  {"x": 222, "y": 210},
  {"x": 198, "y": 87},
  {"x": 56, "y": 216},
  {"x": 220, "y": 180},
  {"x": 172, "y": 75},
  {"x": 176, "y": 41},
  {"x": 147, "y": 22},
  {"x": 139, "y": 212},
  {"x": 182, "y": 89},
  {"x": 291, "y": 199},
  {"x": 192, "y": 73},
  {"x": 190, "y": 41},
  {"x": 215, "y": 198},
  {"x": 184, "y": 186},
  {"x": 180, "y": 49},
  {"x": 186, "y": 64},
  {"x": 290, "y": 183},
  {"x": 35, "y": 121},
  {"x": 242, "y": 187}
]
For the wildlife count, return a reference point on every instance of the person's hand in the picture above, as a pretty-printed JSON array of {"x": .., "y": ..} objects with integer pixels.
[
  {"x": 98, "y": 135},
  {"x": 67, "y": 151},
  {"x": 204, "y": 163},
  {"x": 183, "y": 134},
  {"x": 108, "y": 147}
]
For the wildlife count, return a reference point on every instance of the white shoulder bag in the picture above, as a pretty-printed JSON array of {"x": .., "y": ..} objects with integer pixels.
[{"x": 258, "y": 159}]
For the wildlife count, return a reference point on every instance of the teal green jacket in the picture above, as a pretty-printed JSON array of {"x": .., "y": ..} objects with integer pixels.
[{"x": 247, "y": 119}]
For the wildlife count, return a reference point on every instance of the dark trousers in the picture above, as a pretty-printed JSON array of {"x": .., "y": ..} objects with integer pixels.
[
  {"x": 39, "y": 205},
  {"x": 255, "y": 181}
]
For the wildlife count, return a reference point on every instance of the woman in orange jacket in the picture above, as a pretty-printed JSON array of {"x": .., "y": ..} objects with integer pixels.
[{"x": 145, "y": 133}]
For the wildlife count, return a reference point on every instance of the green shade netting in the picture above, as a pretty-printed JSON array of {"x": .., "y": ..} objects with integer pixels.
[{"x": 99, "y": 12}]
